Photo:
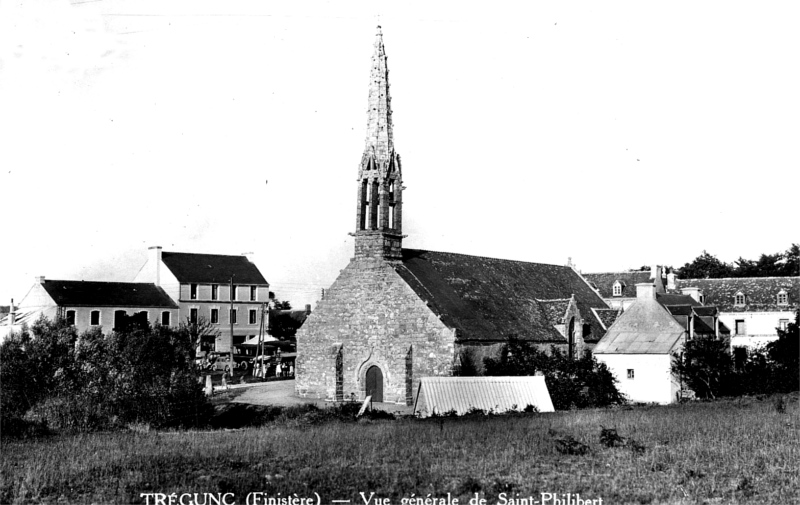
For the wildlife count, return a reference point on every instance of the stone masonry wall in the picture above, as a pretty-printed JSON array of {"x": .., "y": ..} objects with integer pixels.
[{"x": 372, "y": 317}]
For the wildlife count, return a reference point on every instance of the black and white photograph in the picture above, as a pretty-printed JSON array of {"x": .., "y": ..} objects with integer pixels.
[{"x": 399, "y": 253}]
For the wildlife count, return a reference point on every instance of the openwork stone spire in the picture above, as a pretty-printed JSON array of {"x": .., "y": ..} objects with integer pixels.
[{"x": 379, "y": 199}]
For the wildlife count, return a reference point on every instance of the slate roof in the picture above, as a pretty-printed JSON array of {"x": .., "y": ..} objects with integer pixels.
[
  {"x": 646, "y": 327},
  {"x": 607, "y": 316},
  {"x": 761, "y": 293},
  {"x": 492, "y": 299},
  {"x": 107, "y": 294},
  {"x": 212, "y": 268},
  {"x": 604, "y": 282}
]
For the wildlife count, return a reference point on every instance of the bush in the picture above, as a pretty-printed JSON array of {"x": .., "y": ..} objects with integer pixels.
[
  {"x": 54, "y": 377},
  {"x": 573, "y": 383}
]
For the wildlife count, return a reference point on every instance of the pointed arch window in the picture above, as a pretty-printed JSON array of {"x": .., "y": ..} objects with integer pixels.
[
  {"x": 739, "y": 299},
  {"x": 783, "y": 297}
]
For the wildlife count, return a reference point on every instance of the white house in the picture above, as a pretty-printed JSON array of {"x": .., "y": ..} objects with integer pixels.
[
  {"x": 639, "y": 345},
  {"x": 752, "y": 307},
  {"x": 92, "y": 304}
]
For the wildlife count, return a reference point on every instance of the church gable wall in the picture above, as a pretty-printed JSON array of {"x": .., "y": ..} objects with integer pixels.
[{"x": 370, "y": 316}]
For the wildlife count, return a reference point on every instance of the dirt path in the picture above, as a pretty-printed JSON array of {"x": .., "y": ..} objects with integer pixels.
[{"x": 281, "y": 393}]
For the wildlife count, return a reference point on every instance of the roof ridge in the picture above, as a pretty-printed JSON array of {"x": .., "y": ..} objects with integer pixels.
[
  {"x": 487, "y": 257},
  {"x": 740, "y": 278},
  {"x": 205, "y": 254}
]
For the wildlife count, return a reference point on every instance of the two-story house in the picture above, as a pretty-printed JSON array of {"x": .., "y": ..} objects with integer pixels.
[{"x": 225, "y": 290}]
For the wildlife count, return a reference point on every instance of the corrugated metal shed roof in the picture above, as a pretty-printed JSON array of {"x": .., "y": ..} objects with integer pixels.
[{"x": 439, "y": 395}]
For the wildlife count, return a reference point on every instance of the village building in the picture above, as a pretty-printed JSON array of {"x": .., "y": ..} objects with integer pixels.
[
  {"x": 395, "y": 315},
  {"x": 93, "y": 304},
  {"x": 618, "y": 289},
  {"x": 754, "y": 308},
  {"x": 638, "y": 347},
  {"x": 223, "y": 290}
]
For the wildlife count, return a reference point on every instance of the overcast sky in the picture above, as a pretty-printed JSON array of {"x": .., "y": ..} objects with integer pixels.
[{"x": 615, "y": 133}]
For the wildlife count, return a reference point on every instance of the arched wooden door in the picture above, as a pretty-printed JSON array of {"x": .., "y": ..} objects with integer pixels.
[{"x": 375, "y": 383}]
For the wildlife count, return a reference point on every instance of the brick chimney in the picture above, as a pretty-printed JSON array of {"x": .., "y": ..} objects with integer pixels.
[
  {"x": 645, "y": 291},
  {"x": 154, "y": 258}
]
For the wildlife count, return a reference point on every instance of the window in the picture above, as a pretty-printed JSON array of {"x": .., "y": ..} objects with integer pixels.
[
  {"x": 144, "y": 315},
  {"x": 214, "y": 292},
  {"x": 233, "y": 316},
  {"x": 215, "y": 316},
  {"x": 740, "y": 327},
  {"x": 738, "y": 298},
  {"x": 783, "y": 324},
  {"x": 783, "y": 298},
  {"x": 119, "y": 316},
  {"x": 253, "y": 293},
  {"x": 630, "y": 373},
  {"x": 193, "y": 316},
  {"x": 702, "y": 298},
  {"x": 253, "y": 316},
  {"x": 94, "y": 318},
  {"x": 617, "y": 289},
  {"x": 193, "y": 291},
  {"x": 71, "y": 317},
  {"x": 165, "y": 318},
  {"x": 233, "y": 292}
]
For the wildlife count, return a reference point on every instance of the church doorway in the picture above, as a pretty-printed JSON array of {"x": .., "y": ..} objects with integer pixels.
[{"x": 375, "y": 383}]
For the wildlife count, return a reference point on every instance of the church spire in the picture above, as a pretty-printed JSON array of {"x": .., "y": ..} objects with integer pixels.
[
  {"x": 380, "y": 186},
  {"x": 380, "y": 143}
]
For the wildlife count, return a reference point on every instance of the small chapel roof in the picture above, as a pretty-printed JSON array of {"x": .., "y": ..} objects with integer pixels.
[{"x": 492, "y": 299}]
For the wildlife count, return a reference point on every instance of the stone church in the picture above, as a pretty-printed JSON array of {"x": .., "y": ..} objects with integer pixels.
[{"x": 394, "y": 315}]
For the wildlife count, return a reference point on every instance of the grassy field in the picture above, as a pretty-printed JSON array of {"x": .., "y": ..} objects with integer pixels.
[{"x": 739, "y": 451}]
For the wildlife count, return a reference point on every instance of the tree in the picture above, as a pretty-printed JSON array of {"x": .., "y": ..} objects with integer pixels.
[
  {"x": 572, "y": 382},
  {"x": 785, "y": 351},
  {"x": 705, "y": 266},
  {"x": 202, "y": 333},
  {"x": 91, "y": 381},
  {"x": 704, "y": 366}
]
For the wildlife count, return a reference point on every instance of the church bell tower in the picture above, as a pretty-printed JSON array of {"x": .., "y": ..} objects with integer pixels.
[{"x": 379, "y": 230}]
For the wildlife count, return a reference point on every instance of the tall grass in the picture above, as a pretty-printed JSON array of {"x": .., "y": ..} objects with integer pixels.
[{"x": 743, "y": 451}]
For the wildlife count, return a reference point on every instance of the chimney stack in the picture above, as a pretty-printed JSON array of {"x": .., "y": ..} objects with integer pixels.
[
  {"x": 693, "y": 292},
  {"x": 645, "y": 291},
  {"x": 155, "y": 261},
  {"x": 308, "y": 308},
  {"x": 40, "y": 279},
  {"x": 671, "y": 280}
]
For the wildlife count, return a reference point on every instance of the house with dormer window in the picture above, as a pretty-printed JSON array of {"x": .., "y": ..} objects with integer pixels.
[
  {"x": 752, "y": 307},
  {"x": 618, "y": 289}
]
